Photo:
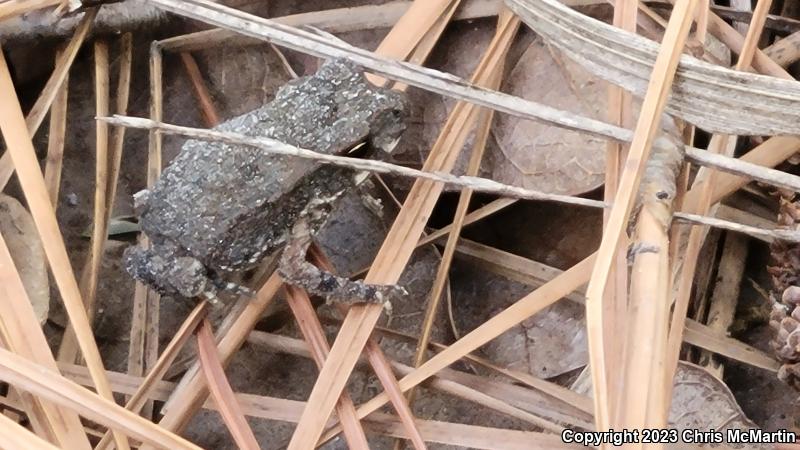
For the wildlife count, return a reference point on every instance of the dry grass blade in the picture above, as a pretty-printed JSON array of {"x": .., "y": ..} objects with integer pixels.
[
  {"x": 508, "y": 399},
  {"x": 338, "y": 20},
  {"x": 17, "y": 138},
  {"x": 207, "y": 109},
  {"x": 21, "y": 333},
  {"x": 380, "y": 364},
  {"x": 429, "y": 40},
  {"x": 571, "y": 398},
  {"x": 279, "y": 409},
  {"x": 718, "y": 144},
  {"x": 55, "y": 140},
  {"x": 221, "y": 390},
  {"x": 417, "y": 26},
  {"x": 117, "y": 142},
  {"x": 143, "y": 347},
  {"x": 68, "y": 351},
  {"x": 150, "y": 298},
  {"x": 542, "y": 297},
  {"x": 769, "y": 154},
  {"x": 139, "y": 398},
  {"x": 39, "y": 110},
  {"x": 383, "y": 371},
  {"x": 479, "y": 146},
  {"x": 314, "y": 336},
  {"x": 620, "y": 112},
  {"x": 646, "y": 129},
  {"x": 47, "y": 384},
  {"x": 15, "y": 436},
  {"x": 396, "y": 250},
  {"x": 767, "y": 235},
  {"x": 704, "y": 337},
  {"x": 479, "y": 214},
  {"x": 188, "y": 397},
  {"x": 736, "y": 42}
]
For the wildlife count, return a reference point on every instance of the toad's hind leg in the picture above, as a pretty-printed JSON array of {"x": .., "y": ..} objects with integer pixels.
[
  {"x": 169, "y": 274},
  {"x": 296, "y": 270}
]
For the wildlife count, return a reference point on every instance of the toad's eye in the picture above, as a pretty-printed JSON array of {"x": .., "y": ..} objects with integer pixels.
[{"x": 396, "y": 113}]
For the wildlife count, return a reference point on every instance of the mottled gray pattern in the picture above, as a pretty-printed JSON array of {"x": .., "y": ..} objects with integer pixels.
[{"x": 226, "y": 206}]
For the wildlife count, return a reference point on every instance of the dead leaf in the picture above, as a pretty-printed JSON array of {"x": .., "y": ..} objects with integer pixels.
[
  {"x": 238, "y": 91},
  {"x": 547, "y": 158},
  {"x": 23, "y": 242},
  {"x": 702, "y": 401},
  {"x": 546, "y": 345},
  {"x": 544, "y": 157}
]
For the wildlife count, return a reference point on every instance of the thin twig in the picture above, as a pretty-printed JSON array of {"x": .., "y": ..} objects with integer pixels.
[
  {"x": 55, "y": 140},
  {"x": 276, "y": 147},
  {"x": 68, "y": 350},
  {"x": 209, "y": 112}
]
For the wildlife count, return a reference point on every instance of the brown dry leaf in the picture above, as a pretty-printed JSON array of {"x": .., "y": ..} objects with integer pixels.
[
  {"x": 543, "y": 157},
  {"x": 239, "y": 79},
  {"x": 457, "y": 53},
  {"x": 238, "y": 91},
  {"x": 548, "y": 344},
  {"x": 26, "y": 250},
  {"x": 702, "y": 401}
]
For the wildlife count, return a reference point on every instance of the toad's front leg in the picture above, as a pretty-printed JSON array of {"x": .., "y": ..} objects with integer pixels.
[{"x": 296, "y": 270}]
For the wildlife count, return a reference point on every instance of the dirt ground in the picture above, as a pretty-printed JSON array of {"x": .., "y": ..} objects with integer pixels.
[{"x": 548, "y": 233}]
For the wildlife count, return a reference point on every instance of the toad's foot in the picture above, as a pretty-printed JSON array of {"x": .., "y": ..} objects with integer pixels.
[
  {"x": 234, "y": 289},
  {"x": 296, "y": 270}
]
